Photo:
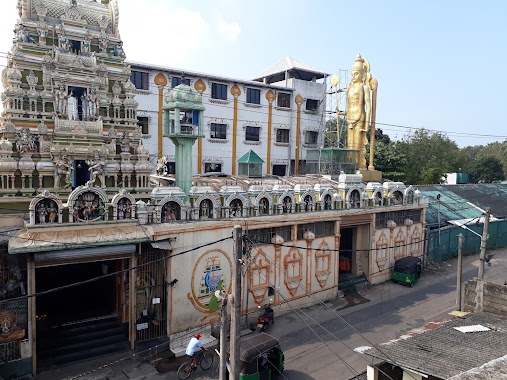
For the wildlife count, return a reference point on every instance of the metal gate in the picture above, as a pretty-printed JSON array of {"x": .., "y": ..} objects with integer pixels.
[{"x": 151, "y": 294}]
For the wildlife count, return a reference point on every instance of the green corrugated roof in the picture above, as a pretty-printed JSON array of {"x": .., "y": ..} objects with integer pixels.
[
  {"x": 250, "y": 157},
  {"x": 454, "y": 198}
]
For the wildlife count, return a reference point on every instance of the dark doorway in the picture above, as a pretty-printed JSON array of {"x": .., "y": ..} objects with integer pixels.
[
  {"x": 75, "y": 46},
  {"x": 77, "y": 93},
  {"x": 346, "y": 250},
  {"x": 80, "y": 174},
  {"x": 80, "y": 302},
  {"x": 279, "y": 170}
]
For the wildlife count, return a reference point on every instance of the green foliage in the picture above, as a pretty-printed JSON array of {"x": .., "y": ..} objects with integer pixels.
[{"x": 487, "y": 169}]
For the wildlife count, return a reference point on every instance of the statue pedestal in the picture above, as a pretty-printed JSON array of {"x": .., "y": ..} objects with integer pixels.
[{"x": 371, "y": 175}]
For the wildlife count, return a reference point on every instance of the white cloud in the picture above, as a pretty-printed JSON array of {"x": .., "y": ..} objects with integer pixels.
[
  {"x": 160, "y": 34},
  {"x": 229, "y": 31}
]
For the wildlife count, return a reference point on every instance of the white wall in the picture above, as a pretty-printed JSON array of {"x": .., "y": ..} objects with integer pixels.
[{"x": 223, "y": 112}]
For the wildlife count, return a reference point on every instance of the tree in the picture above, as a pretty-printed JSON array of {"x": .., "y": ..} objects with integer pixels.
[
  {"x": 487, "y": 169},
  {"x": 429, "y": 155}
]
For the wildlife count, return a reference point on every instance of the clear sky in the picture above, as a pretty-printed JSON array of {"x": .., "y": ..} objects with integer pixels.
[{"x": 428, "y": 56}]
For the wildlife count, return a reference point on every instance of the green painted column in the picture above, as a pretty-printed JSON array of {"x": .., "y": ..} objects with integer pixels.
[{"x": 183, "y": 162}]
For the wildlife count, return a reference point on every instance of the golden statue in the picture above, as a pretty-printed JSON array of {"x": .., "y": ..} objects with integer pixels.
[{"x": 361, "y": 109}]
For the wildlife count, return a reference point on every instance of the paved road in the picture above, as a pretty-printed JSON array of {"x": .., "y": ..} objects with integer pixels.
[
  {"x": 322, "y": 346},
  {"x": 391, "y": 311}
]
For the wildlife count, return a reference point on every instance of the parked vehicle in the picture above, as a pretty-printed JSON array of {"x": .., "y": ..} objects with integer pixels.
[
  {"x": 260, "y": 357},
  {"x": 266, "y": 319},
  {"x": 407, "y": 270}
]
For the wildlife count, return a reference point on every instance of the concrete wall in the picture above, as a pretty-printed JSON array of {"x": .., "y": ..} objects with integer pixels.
[
  {"x": 293, "y": 270},
  {"x": 484, "y": 296},
  {"x": 391, "y": 244}
]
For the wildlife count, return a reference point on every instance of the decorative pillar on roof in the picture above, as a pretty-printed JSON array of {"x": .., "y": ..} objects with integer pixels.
[{"x": 183, "y": 115}]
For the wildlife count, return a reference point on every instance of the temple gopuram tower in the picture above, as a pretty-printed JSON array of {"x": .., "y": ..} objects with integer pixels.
[{"x": 69, "y": 107}]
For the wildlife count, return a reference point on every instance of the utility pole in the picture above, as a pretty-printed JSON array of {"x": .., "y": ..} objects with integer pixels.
[
  {"x": 223, "y": 340},
  {"x": 438, "y": 199},
  {"x": 483, "y": 244},
  {"x": 460, "y": 272},
  {"x": 236, "y": 301}
]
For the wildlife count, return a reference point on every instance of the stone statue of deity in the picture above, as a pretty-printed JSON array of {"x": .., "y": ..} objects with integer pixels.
[
  {"x": 359, "y": 108},
  {"x": 61, "y": 97},
  {"x": 72, "y": 112},
  {"x": 63, "y": 172},
  {"x": 23, "y": 35},
  {"x": 118, "y": 50},
  {"x": 63, "y": 43},
  {"x": 125, "y": 142},
  {"x": 97, "y": 169},
  {"x": 84, "y": 105},
  {"x": 25, "y": 142},
  {"x": 92, "y": 104}
]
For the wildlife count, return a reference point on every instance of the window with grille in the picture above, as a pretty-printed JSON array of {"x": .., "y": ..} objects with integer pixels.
[
  {"x": 319, "y": 229},
  {"x": 283, "y": 100},
  {"x": 282, "y": 136},
  {"x": 311, "y": 137},
  {"x": 177, "y": 81},
  {"x": 218, "y": 131},
  {"x": 264, "y": 235},
  {"x": 312, "y": 104},
  {"x": 219, "y": 91},
  {"x": 253, "y": 96},
  {"x": 140, "y": 79},
  {"x": 252, "y": 133},
  {"x": 143, "y": 122},
  {"x": 398, "y": 217}
]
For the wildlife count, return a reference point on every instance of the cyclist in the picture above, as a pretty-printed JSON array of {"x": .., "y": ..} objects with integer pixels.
[{"x": 195, "y": 349}]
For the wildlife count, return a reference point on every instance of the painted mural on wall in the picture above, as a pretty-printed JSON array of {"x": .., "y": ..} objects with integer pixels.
[
  {"x": 46, "y": 211},
  {"x": 88, "y": 207},
  {"x": 211, "y": 272}
]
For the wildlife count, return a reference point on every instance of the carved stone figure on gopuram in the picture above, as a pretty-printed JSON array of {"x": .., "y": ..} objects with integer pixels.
[
  {"x": 360, "y": 93},
  {"x": 59, "y": 111}
]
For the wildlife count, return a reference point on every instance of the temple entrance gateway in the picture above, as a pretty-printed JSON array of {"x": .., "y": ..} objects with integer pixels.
[{"x": 82, "y": 321}]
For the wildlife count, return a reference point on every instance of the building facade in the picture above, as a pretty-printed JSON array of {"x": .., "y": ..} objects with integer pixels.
[{"x": 276, "y": 115}]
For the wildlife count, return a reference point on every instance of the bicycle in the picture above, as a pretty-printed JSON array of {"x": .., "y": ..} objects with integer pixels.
[{"x": 185, "y": 370}]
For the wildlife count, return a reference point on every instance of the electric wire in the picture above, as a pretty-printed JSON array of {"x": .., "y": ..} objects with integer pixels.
[
  {"x": 287, "y": 302},
  {"x": 321, "y": 302},
  {"x": 462, "y": 134},
  {"x": 337, "y": 315},
  {"x": 56, "y": 289}
]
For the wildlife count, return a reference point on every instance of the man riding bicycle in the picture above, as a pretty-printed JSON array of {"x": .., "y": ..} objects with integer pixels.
[{"x": 195, "y": 349}]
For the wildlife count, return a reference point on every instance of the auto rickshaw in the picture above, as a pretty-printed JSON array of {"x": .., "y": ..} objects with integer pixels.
[
  {"x": 261, "y": 357},
  {"x": 407, "y": 270}
]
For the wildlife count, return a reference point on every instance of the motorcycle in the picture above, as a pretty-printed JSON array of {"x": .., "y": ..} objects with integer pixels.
[{"x": 266, "y": 318}]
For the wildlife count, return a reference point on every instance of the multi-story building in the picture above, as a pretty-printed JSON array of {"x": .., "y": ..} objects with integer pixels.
[{"x": 278, "y": 115}]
